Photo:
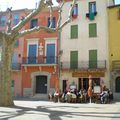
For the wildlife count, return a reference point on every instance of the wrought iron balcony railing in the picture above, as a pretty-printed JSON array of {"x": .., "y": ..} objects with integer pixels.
[
  {"x": 116, "y": 65},
  {"x": 40, "y": 60},
  {"x": 16, "y": 66},
  {"x": 84, "y": 65}
]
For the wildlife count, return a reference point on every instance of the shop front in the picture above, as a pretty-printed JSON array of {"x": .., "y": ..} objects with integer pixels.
[{"x": 83, "y": 79}]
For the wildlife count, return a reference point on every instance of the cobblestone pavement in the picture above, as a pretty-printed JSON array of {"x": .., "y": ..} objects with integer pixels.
[{"x": 45, "y": 110}]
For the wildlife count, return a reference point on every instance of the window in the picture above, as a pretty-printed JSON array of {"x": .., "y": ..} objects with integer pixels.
[
  {"x": 117, "y": 84},
  {"x": 92, "y": 10},
  {"x": 75, "y": 11},
  {"x": 53, "y": 22},
  {"x": 92, "y": 58},
  {"x": 64, "y": 85},
  {"x": 74, "y": 59},
  {"x": 16, "y": 43},
  {"x": 92, "y": 7},
  {"x": 74, "y": 31},
  {"x": 34, "y": 23},
  {"x": 15, "y": 19},
  {"x": 2, "y": 20},
  {"x": 93, "y": 30}
]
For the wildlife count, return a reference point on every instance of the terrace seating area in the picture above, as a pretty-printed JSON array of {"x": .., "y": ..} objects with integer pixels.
[{"x": 75, "y": 96}]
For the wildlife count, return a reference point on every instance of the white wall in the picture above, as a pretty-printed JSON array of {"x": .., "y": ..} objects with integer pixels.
[{"x": 83, "y": 44}]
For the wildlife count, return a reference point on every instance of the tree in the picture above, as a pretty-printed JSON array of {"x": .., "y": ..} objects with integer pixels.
[{"x": 9, "y": 37}]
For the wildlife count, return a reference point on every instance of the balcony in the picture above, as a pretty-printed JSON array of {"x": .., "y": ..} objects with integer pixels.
[
  {"x": 116, "y": 65},
  {"x": 16, "y": 66},
  {"x": 83, "y": 65},
  {"x": 40, "y": 60}
]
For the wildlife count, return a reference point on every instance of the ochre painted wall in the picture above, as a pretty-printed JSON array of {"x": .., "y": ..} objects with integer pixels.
[{"x": 114, "y": 34}]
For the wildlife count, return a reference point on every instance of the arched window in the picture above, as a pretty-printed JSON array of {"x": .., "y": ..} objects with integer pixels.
[{"x": 117, "y": 84}]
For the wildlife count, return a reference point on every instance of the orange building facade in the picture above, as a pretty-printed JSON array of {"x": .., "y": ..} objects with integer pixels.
[
  {"x": 16, "y": 80},
  {"x": 40, "y": 58}
]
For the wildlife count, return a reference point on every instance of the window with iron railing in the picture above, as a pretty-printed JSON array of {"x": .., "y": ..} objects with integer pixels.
[{"x": 2, "y": 21}]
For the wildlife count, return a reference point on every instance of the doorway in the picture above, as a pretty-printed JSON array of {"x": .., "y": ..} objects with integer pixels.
[{"x": 41, "y": 84}]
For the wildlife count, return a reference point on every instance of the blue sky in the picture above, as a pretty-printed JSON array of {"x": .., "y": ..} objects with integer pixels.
[
  {"x": 117, "y": 1},
  {"x": 20, "y": 4}
]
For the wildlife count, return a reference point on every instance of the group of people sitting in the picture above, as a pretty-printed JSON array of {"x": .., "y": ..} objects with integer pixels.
[
  {"x": 81, "y": 96},
  {"x": 70, "y": 96}
]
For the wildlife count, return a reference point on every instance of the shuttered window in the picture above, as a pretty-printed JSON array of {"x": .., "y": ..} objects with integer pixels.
[
  {"x": 34, "y": 23},
  {"x": 16, "y": 19},
  {"x": 92, "y": 7},
  {"x": 93, "y": 30},
  {"x": 2, "y": 21},
  {"x": 75, "y": 11},
  {"x": 92, "y": 58},
  {"x": 53, "y": 22},
  {"x": 74, "y": 31},
  {"x": 74, "y": 59}
]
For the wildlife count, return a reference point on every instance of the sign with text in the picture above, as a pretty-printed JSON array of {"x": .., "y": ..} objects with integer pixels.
[{"x": 87, "y": 73}]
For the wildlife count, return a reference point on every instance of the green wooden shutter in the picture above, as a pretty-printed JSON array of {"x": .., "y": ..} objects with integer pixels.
[
  {"x": 74, "y": 31},
  {"x": 92, "y": 58},
  {"x": 92, "y": 30},
  {"x": 74, "y": 59}
]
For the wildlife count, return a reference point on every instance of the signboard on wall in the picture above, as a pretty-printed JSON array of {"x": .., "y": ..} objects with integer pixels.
[{"x": 87, "y": 73}]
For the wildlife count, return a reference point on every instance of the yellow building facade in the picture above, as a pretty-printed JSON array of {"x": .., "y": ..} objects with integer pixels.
[{"x": 114, "y": 48}]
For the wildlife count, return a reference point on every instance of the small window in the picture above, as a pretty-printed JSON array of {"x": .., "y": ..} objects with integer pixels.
[
  {"x": 34, "y": 23},
  {"x": 2, "y": 20},
  {"x": 75, "y": 11},
  {"x": 74, "y": 31},
  {"x": 92, "y": 30},
  {"x": 16, "y": 43},
  {"x": 53, "y": 22},
  {"x": 92, "y": 7},
  {"x": 15, "y": 19},
  {"x": 117, "y": 84}
]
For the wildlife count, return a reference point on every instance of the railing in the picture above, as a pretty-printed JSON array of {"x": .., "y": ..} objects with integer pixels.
[
  {"x": 16, "y": 66},
  {"x": 116, "y": 65},
  {"x": 40, "y": 60},
  {"x": 84, "y": 65}
]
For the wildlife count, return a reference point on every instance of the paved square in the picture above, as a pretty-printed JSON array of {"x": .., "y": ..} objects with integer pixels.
[{"x": 45, "y": 110}]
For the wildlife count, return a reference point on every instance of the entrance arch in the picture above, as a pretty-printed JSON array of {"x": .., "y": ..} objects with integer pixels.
[{"x": 40, "y": 83}]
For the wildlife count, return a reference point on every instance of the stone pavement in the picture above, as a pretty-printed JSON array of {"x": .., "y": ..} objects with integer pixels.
[{"x": 46, "y": 110}]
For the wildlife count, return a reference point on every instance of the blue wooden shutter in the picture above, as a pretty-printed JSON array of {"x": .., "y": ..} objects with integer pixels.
[
  {"x": 14, "y": 61},
  {"x": 53, "y": 22},
  {"x": 16, "y": 19},
  {"x": 48, "y": 24},
  {"x": 3, "y": 21},
  {"x": 50, "y": 56},
  {"x": 32, "y": 54},
  {"x": 92, "y": 7},
  {"x": 75, "y": 11}
]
